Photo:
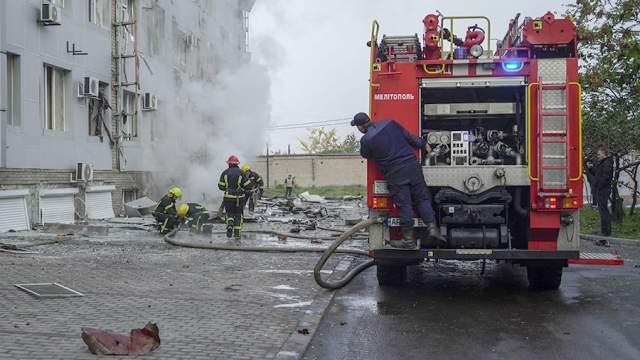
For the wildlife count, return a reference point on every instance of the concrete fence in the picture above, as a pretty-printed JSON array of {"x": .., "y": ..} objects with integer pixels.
[{"x": 313, "y": 170}]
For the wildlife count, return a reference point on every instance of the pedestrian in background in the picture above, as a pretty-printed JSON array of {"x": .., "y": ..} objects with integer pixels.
[
  {"x": 289, "y": 184},
  {"x": 602, "y": 175}
]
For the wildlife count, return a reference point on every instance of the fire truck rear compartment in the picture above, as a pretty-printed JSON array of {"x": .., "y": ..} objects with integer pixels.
[
  {"x": 482, "y": 126},
  {"x": 474, "y": 129}
]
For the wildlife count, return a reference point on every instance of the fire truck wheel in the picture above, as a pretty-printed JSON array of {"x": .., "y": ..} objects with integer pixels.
[
  {"x": 391, "y": 275},
  {"x": 544, "y": 278}
]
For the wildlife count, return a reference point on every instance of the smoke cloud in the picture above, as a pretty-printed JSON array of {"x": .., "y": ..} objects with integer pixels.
[{"x": 205, "y": 115}]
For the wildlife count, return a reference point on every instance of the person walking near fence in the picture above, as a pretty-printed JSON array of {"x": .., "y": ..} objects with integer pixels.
[{"x": 289, "y": 184}]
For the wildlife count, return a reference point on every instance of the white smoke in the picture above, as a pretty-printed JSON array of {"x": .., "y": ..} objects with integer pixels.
[{"x": 200, "y": 122}]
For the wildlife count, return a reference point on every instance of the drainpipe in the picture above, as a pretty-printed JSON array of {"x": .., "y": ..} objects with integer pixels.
[{"x": 3, "y": 95}]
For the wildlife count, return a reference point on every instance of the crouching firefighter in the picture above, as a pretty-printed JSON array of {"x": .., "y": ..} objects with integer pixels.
[
  {"x": 390, "y": 146},
  {"x": 192, "y": 215},
  {"x": 165, "y": 212},
  {"x": 235, "y": 184}
]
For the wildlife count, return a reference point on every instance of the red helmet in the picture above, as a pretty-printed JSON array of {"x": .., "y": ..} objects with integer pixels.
[{"x": 233, "y": 160}]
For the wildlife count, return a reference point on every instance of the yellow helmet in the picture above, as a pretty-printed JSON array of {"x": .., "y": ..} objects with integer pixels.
[
  {"x": 245, "y": 167},
  {"x": 176, "y": 192},
  {"x": 182, "y": 210}
]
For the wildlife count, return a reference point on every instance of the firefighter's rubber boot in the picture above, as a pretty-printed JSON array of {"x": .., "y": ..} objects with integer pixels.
[
  {"x": 236, "y": 234},
  {"x": 229, "y": 231},
  {"x": 407, "y": 242},
  {"x": 433, "y": 232}
]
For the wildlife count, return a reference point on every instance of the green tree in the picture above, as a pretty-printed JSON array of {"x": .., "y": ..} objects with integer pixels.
[
  {"x": 322, "y": 141},
  {"x": 609, "y": 34}
]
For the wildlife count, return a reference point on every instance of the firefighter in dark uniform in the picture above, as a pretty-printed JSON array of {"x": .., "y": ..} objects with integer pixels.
[
  {"x": 235, "y": 185},
  {"x": 165, "y": 212},
  {"x": 602, "y": 175},
  {"x": 390, "y": 146},
  {"x": 256, "y": 186},
  {"x": 192, "y": 215}
]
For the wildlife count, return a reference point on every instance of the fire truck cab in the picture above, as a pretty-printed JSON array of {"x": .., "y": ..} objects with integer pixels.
[{"x": 504, "y": 127}]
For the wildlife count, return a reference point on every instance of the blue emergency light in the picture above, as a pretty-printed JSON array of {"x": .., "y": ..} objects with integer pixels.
[{"x": 512, "y": 66}]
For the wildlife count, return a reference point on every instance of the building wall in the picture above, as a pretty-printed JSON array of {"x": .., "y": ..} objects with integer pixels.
[
  {"x": 314, "y": 170},
  {"x": 33, "y": 157},
  {"x": 31, "y": 145}
]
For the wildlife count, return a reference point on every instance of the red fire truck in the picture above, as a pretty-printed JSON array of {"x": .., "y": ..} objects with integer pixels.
[{"x": 504, "y": 125}]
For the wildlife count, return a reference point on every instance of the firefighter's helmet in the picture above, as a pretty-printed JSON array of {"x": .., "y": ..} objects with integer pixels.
[
  {"x": 245, "y": 167},
  {"x": 182, "y": 210},
  {"x": 175, "y": 192},
  {"x": 233, "y": 160}
]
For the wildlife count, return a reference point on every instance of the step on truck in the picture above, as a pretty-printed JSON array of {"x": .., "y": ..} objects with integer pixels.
[{"x": 504, "y": 125}]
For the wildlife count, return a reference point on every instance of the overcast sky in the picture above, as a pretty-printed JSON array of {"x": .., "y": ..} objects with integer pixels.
[{"x": 318, "y": 60}]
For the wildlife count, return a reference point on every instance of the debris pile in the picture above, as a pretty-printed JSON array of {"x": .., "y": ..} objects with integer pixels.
[{"x": 138, "y": 342}]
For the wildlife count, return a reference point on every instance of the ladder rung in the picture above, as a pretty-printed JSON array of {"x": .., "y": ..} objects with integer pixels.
[
  {"x": 553, "y": 168},
  {"x": 124, "y": 56},
  {"x": 553, "y": 85},
  {"x": 555, "y": 133},
  {"x": 124, "y": 23},
  {"x": 554, "y": 157},
  {"x": 554, "y": 113},
  {"x": 127, "y": 84}
]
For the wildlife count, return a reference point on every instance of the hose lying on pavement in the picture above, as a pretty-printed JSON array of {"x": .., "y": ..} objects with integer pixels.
[
  {"x": 327, "y": 252},
  {"x": 333, "y": 248},
  {"x": 169, "y": 239}
]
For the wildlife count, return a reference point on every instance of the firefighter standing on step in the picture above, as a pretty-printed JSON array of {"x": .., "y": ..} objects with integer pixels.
[
  {"x": 256, "y": 186},
  {"x": 390, "y": 146},
  {"x": 165, "y": 212},
  {"x": 235, "y": 185}
]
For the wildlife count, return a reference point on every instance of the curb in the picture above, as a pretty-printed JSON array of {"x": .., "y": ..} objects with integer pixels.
[
  {"x": 611, "y": 240},
  {"x": 296, "y": 344}
]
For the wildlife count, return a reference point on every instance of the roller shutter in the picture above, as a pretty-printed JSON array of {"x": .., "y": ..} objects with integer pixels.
[
  {"x": 13, "y": 210},
  {"x": 57, "y": 206},
  {"x": 99, "y": 203}
]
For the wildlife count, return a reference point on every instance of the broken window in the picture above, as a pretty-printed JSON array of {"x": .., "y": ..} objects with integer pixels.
[
  {"x": 13, "y": 90},
  {"x": 130, "y": 115},
  {"x": 129, "y": 195},
  {"x": 99, "y": 11},
  {"x": 54, "y": 97},
  {"x": 98, "y": 117}
]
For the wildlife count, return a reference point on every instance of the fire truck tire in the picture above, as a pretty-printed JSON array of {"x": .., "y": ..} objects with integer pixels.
[
  {"x": 391, "y": 275},
  {"x": 544, "y": 278}
]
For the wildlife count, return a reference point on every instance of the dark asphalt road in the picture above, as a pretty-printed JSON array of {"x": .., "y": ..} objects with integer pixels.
[{"x": 451, "y": 312}]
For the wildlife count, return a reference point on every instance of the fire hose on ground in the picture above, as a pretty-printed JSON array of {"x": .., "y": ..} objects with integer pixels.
[{"x": 326, "y": 252}]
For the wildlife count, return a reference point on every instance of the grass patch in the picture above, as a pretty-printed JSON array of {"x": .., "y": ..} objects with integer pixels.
[
  {"x": 629, "y": 228},
  {"x": 321, "y": 190}
]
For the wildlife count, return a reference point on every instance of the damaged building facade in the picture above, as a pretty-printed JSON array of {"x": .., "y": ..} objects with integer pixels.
[{"x": 83, "y": 87}]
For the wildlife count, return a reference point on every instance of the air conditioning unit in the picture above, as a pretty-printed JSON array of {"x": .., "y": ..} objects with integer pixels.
[
  {"x": 84, "y": 172},
  {"x": 90, "y": 87},
  {"x": 50, "y": 14},
  {"x": 149, "y": 101}
]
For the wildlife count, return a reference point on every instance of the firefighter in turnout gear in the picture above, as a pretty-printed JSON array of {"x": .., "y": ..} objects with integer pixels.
[
  {"x": 256, "y": 186},
  {"x": 165, "y": 212},
  {"x": 193, "y": 215},
  {"x": 235, "y": 185}
]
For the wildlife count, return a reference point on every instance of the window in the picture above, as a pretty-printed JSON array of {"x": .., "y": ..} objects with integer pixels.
[
  {"x": 99, "y": 11},
  {"x": 129, "y": 195},
  {"x": 13, "y": 90},
  {"x": 98, "y": 111},
  {"x": 54, "y": 97},
  {"x": 130, "y": 115}
]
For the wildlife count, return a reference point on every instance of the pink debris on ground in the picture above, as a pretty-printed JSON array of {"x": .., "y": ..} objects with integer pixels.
[{"x": 138, "y": 342}]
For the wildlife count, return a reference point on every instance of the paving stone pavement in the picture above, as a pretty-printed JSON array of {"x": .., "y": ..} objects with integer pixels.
[{"x": 207, "y": 304}]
